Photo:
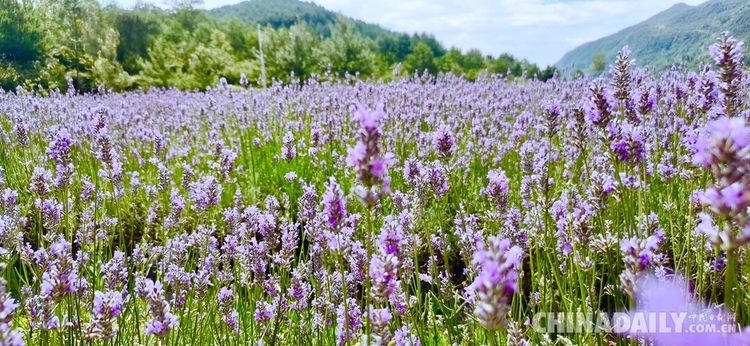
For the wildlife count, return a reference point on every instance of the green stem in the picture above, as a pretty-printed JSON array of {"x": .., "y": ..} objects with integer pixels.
[{"x": 730, "y": 280}]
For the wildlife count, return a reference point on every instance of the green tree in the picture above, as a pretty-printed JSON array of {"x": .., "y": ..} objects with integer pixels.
[
  {"x": 46, "y": 41},
  {"x": 75, "y": 34},
  {"x": 421, "y": 59},
  {"x": 473, "y": 60},
  {"x": 437, "y": 49},
  {"x": 163, "y": 65},
  {"x": 547, "y": 73},
  {"x": 187, "y": 13},
  {"x": 137, "y": 29},
  {"x": 20, "y": 42},
  {"x": 106, "y": 70},
  {"x": 209, "y": 62},
  {"x": 242, "y": 37},
  {"x": 346, "y": 51},
  {"x": 299, "y": 52},
  {"x": 452, "y": 62},
  {"x": 599, "y": 63},
  {"x": 294, "y": 50},
  {"x": 393, "y": 48}
]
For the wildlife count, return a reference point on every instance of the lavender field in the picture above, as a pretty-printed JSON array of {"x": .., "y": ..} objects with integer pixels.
[{"x": 421, "y": 211}]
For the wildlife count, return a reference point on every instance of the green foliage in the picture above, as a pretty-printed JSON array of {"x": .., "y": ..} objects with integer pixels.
[
  {"x": 285, "y": 13},
  {"x": 437, "y": 49},
  {"x": 473, "y": 60},
  {"x": 105, "y": 69},
  {"x": 47, "y": 42},
  {"x": 422, "y": 58},
  {"x": 345, "y": 51},
  {"x": 20, "y": 42},
  {"x": 137, "y": 29},
  {"x": 679, "y": 34},
  {"x": 209, "y": 61},
  {"x": 599, "y": 63},
  {"x": 242, "y": 37},
  {"x": 290, "y": 51},
  {"x": 161, "y": 68},
  {"x": 393, "y": 48}
]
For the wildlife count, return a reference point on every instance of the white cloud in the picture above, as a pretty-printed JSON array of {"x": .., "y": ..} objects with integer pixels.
[{"x": 539, "y": 30}]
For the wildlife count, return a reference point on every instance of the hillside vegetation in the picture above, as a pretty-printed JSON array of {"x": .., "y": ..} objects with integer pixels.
[
  {"x": 285, "y": 13},
  {"x": 679, "y": 34},
  {"x": 50, "y": 44}
]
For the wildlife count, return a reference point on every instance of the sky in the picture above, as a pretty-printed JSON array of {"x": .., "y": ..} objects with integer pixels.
[{"x": 541, "y": 31}]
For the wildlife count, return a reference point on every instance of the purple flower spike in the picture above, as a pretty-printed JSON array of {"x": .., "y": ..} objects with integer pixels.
[
  {"x": 496, "y": 282},
  {"x": 365, "y": 157},
  {"x": 671, "y": 299}
]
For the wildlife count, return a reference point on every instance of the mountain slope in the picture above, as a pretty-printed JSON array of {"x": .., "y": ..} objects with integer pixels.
[
  {"x": 682, "y": 33},
  {"x": 285, "y": 13}
]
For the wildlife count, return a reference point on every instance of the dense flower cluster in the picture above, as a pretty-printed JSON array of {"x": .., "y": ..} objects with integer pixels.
[
  {"x": 367, "y": 160},
  {"x": 421, "y": 210},
  {"x": 9, "y": 336},
  {"x": 496, "y": 281}
]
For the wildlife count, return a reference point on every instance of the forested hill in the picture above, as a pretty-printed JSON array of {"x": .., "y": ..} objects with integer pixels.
[
  {"x": 46, "y": 43},
  {"x": 390, "y": 47},
  {"x": 285, "y": 13},
  {"x": 678, "y": 34}
]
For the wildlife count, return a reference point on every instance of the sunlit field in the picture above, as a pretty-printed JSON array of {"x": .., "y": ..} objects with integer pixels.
[{"x": 427, "y": 210}]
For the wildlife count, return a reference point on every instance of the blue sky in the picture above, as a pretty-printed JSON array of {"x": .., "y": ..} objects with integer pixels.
[{"x": 539, "y": 30}]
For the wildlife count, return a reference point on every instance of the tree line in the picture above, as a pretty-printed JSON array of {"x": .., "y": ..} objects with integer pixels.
[{"x": 46, "y": 43}]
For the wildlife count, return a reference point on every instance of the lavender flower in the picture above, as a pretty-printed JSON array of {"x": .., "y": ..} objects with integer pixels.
[
  {"x": 384, "y": 275},
  {"x": 59, "y": 148},
  {"x": 443, "y": 141},
  {"x": 404, "y": 337},
  {"x": 722, "y": 147},
  {"x": 291, "y": 176},
  {"x": 551, "y": 118},
  {"x": 205, "y": 193},
  {"x": 671, "y": 297},
  {"x": 107, "y": 307},
  {"x": 333, "y": 204},
  {"x": 8, "y": 335},
  {"x": 51, "y": 211},
  {"x": 165, "y": 177},
  {"x": 599, "y": 105},
  {"x": 288, "y": 150},
  {"x": 379, "y": 319},
  {"x": 496, "y": 282},
  {"x": 621, "y": 75},
  {"x": 228, "y": 156},
  {"x": 187, "y": 176},
  {"x": 162, "y": 321},
  {"x": 40, "y": 181},
  {"x": 365, "y": 157},
  {"x": 177, "y": 206},
  {"x": 353, "y": 314},
  {"x": 226, "y": 305},
  {"x": 638, "y": 255},
  {"x": 21, "y": 131},
  {"x": 727, "y": 53},
  {"x": 497, "y": 190},
  {"x": 115, "y": 272},
  {"x": 61, "y": 278}
]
